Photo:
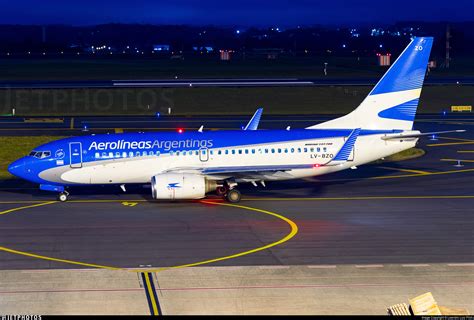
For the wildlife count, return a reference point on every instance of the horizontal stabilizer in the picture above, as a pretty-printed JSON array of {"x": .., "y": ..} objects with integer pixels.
[{"x": 416, "y": 135}]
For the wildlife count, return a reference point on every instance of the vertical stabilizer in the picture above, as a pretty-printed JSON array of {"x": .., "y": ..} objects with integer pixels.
[{"x": 393, "y": 101}]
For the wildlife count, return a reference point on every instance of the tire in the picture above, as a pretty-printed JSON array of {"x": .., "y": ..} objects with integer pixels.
[
  {"x": 62, "y": 197},
  {"x": 220, "y": 191},
  {"x": 233, "y": 196}
]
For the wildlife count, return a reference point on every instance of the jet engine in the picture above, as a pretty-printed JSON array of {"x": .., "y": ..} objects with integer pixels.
[{"x": 174, "y": 186}]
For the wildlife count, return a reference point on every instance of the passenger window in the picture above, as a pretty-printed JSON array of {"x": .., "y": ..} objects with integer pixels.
[
  {"x": 219, "y": 152},
  {"x": 299, "y": 150},
  {"x": 177, "y": 153},
  {"x": 273, "y": 150},
  {"x": 124, "y": 154},
  {"x": 227, "y": 152},
  {"x": 253, "y": 151},
  {"x": 318, "y": 149},
  {"x": 117, "y": 154},
  {"x": 246, "y": 151},
  {"x": 305, "y": 149},
  {"x": 266, "y": 150},
  {"x": 311, "y": 149},
  {"x": 240, "y": 151},
  {"x": 196, "y": 153},
  {"x": 211, "y": 152},
  {"x": 97, "y": 155},
  {"x": 137, "y": 154},
  {"x": 286, "y": 150},
  {"x": 325, "y": 149},
  {"x": 233, "y": 151},
  {"x": 130, "y": 154},
  {"x": 292, "y": 150},
  {"x": 279, "y": 150}
]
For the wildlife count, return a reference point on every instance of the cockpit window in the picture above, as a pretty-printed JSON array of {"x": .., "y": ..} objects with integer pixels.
[{"x": 40, "y": 154}]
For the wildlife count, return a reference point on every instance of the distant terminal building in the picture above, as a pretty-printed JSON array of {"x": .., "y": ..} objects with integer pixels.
[
  {"x": 161, "y": 47},
  {"x": 383, "y": 59},
  {"x": 225, "y": 55}
]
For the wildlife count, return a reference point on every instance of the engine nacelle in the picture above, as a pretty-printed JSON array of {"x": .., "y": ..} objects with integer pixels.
[{"x": 172, "y": 186}]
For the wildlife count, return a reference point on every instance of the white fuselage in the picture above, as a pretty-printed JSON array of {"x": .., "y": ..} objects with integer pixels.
[{"x": 140, "y": 167}]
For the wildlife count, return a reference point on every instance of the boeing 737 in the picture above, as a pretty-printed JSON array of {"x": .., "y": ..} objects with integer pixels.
[{"x": 188, "y": 165}]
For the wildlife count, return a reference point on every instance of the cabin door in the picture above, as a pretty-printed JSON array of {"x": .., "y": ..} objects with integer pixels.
[{"x": 75, "y": 154}]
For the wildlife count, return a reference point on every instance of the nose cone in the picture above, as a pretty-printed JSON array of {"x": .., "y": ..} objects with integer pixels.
[{"x": 17, "y": 168}]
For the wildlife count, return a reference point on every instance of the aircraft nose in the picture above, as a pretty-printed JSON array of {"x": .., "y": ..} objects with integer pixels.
[{"x": 17, "y": 168}]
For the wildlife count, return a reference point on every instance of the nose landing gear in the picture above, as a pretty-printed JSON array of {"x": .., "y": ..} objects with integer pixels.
[{"x": 63, "y": 196}]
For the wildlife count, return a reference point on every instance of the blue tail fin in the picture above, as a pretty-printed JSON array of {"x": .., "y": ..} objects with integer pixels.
[
  {"x": 408, "y": 71},
  {"x": 393, "y": 102}
]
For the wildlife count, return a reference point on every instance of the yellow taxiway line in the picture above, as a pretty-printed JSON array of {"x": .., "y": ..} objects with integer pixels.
[
  {"x": 291, "y": 234},
  {"x": 406, "y": 170}
]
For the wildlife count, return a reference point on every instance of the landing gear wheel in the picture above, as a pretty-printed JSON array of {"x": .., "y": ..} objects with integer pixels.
[
  {"x": 233, "y": 196},
  {"x": 63, "y": 196},
  {"x": 221, "y": 191}
]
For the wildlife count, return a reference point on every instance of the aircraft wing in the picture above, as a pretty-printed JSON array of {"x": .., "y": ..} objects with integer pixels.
[{"x": 253, "y": 123}]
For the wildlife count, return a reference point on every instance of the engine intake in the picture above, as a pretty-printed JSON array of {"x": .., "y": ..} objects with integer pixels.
[{"x": 174, "y": 186}]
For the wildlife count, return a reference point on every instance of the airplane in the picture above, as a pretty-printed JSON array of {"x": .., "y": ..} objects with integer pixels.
[{"x": 189, "y": 165}]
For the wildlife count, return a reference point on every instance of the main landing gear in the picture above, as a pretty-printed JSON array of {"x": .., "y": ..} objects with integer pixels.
[
  {"x": 229, "y": 193},
  {"x": 63, "y": 196},
  {"x": 233, "y": 196}
]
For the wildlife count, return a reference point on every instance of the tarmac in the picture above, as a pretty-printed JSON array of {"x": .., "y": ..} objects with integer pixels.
[{"x": 346, "y": 243}]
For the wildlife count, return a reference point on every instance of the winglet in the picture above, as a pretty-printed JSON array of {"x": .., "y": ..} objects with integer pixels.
[
  {"x": 253, "y": 123},
  {"x": 345, "y": 151}
]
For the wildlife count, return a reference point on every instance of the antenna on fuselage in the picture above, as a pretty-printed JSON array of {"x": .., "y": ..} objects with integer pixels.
[{"x": 201, "y": 128}]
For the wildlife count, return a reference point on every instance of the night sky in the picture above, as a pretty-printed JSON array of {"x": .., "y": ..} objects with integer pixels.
[{"x": 233, "y": 12}]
